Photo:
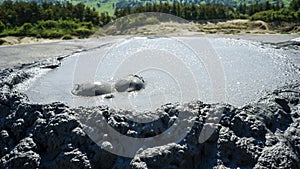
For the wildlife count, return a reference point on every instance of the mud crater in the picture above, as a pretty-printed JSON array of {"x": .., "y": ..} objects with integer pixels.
[{"x": 262, "y": 134}]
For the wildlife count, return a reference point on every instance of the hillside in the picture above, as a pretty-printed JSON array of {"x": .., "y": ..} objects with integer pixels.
[{"x": 110, "y": 5}]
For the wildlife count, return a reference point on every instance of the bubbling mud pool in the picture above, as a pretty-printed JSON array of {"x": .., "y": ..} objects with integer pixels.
[{"x": 175, "y": 69}]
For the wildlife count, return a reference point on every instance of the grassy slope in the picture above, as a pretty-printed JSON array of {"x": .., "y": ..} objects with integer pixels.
[{"x": 104, "y": 6}]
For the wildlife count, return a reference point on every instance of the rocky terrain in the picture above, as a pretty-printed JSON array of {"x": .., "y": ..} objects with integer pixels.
[{"x": 265, "y": 134}]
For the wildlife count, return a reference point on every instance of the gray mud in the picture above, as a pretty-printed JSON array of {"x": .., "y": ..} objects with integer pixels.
[
  {"x": 213, "y": 70},
  {"x": 264, "y": 134},
  {"x": 29, "y": 53}
]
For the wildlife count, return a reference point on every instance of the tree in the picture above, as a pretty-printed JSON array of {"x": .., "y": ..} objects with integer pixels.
[
  {"x": 295, "y": 5},
  {"x": 242, "y": 8},
  {"x": 79, "y": 11},
  {"x": 2, "y": 26},
  {"x": 267, "y": 6}
]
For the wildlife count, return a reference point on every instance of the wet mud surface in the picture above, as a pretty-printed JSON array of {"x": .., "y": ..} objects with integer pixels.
[
  {"x": 260, "y": 134},
  {"x": 210, "y": 69}
]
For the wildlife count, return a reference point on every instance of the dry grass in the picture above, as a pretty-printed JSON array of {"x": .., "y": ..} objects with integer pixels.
[
  {"x": 12, "y": 40},
  {"x": 239, "y": 26},
  {"x": 235, "y": 27}
]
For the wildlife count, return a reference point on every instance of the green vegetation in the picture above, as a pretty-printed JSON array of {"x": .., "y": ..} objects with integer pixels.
[
  {"x": 189, "y": 12},
  {"x": 258, "y": 11},
  {"x": 72, "y": 18},
  {"x": 101, "y": 6},
  {"x": 280, "y": 15},
  {"x": 49, "y": 20},
  {"x": 110, "y": 6},
  {"x": 52, "y": 29}
]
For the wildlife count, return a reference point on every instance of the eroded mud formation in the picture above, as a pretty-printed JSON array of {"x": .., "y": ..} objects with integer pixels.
[
  {"x": 92, "y": 89},
  {"x": 265, "y": 134},
  {"x": 130, "y": 84},
  {"x": 288, "y": 45}
]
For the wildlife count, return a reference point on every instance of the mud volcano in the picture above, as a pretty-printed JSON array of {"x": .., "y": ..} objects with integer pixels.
[{"x": 44, "y": 125}]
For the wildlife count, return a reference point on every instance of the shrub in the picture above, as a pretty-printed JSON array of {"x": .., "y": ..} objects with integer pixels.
[
  {"x": 88, "y": 25},
  {"x": 271, "y": 15},
  {"x": 48, "y": 24},
  {"x": 67, "y": 24},
  {"x": 10, "y": 32},
  {"x": 83, "y": 32},
  {"x": 50, "y": 29},
  {"x": 25, "y": 29},
  {"x": 52, "y": 34}
]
